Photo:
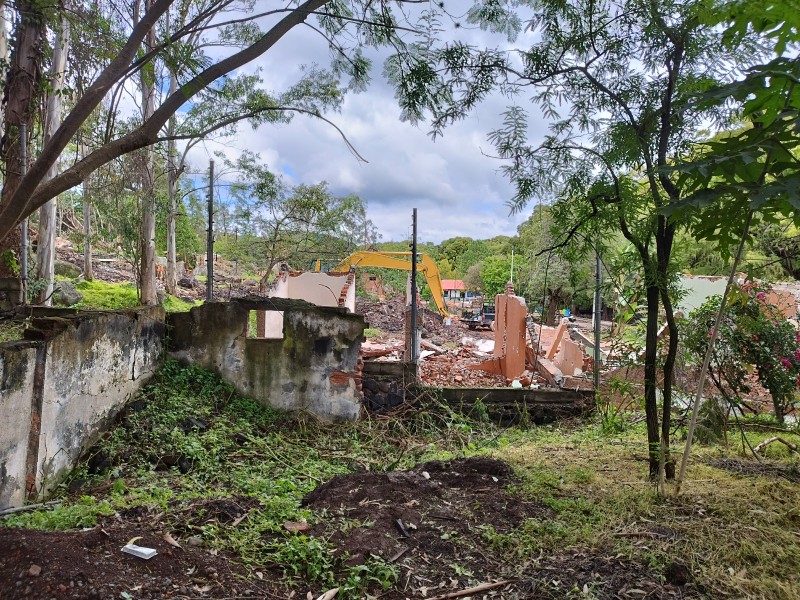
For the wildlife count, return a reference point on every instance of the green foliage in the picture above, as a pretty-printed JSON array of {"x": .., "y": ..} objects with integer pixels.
[
  {"x": 99, "y": 295},
  {"x": 175, "y": 304},
  {"x": 83, "y": 513},
  {"x": 372, "y": 332},
  {"x": 10, "y": 261},
  {"x": 187, "y": 239},
  {"x": 495, "y": 273},
  {"x": 754, "y": 168},
  {"x": 751, "y": 333}
]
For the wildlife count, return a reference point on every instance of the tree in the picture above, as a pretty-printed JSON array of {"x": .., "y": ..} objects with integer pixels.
[
  {"x": 45, "y": 253},
  {"x": 752, "y": 173},
  {"x": 473, "y": 280},
  {"x": 348, "y": 27},
  {"x": 495, "y": 274},
  {"x": 550, "y": 277},
  {"x": 615, "y": 78},
  {"x": 296, "y": 224}
]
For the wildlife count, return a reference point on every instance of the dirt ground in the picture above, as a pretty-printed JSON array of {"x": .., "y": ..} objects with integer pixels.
[
  {"x": 90, "y": 565},
  {"x": 436, "y": 522}
]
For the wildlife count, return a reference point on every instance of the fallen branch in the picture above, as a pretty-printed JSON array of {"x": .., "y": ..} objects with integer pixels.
[
  {"x": 473, "y": 590},
  {"x": 777, "y": 438},
  {"x": 10, "y": 511}
]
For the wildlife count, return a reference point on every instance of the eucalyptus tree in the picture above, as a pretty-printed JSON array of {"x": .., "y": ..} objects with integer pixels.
[
  {"x": 348, "y": 28},
  {"x": 615, "y": 78},
  {"x": 45, "y": 253}
]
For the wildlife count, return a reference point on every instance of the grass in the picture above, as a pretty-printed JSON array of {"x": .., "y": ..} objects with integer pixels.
[
  {"x": 100, "y": 295},
  {"x": 739, "y": 535},
  {"x": 11, "y": 331},
  {"x": 372, "y": 332}
]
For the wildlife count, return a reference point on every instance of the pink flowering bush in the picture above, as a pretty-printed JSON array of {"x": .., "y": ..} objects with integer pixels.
[{"x": 752, "y": 333}]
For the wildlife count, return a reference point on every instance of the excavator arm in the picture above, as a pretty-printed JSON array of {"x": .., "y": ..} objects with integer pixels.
[{"x": 390, "y": 260}]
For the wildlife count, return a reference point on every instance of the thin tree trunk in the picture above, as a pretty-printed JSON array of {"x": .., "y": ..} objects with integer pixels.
[
  {"x": 88, "y": 273},
  {"x": 3, "y": 57},
  {"x": 669, "y": 375},
  {"x": 650, "y": 381},
  {"x": 147, "y": 271},
  {"x": 45, "y": 254},
  {"x": 172, "y": 184}
]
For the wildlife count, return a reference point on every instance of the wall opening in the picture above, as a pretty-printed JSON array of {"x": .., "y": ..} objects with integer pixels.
[{"x": 265, "y": 324}]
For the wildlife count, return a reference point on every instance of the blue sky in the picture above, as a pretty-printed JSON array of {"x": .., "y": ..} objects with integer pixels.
[{"x": 456, "y": 188}]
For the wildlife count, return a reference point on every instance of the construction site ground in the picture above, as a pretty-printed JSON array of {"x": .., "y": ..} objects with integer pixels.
[{"x": 261, "y": 504}]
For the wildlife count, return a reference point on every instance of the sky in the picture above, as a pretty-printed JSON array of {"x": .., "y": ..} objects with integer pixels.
[{"x": 453, "y": 181}]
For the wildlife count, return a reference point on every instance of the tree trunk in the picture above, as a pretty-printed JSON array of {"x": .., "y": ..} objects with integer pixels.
[
  {"x": 88, "y": 274},
  {"x": 3, "y": 56},
  {"x": 147, "y": 270},
  {"x": 19, "y": 98},
  {"x": 669, "y": 376},
  {"x": 650, "y": 380},
  {"x": 45, "y": 254},
  {"x": 172, "y": 185}
]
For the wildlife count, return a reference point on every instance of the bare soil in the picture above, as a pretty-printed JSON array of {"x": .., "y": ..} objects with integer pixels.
[
  {"x": 435, "y": 521},
  {"x": 90, "y": 565}
]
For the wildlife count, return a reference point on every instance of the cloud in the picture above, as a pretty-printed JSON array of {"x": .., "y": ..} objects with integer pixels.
[{"x": 455, "y": 185}]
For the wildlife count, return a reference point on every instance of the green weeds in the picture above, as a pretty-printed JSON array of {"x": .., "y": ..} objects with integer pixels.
[{"x": 189, "y": 439}]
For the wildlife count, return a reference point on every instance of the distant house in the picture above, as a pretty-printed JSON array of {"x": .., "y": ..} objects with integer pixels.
[{"x": 453, "y": 289}]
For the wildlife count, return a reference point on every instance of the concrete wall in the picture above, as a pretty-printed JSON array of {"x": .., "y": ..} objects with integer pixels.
[
  {"x": 61, "y": 388},
  {"x": 315, "y": 366},
  {"x": 507, "y": 406},
  {"x": 17, "y": 365},
  {"x": 321, "y": 289}
]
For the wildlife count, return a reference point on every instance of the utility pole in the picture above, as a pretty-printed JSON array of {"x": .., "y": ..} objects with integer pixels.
[
  {"x": 414, "y": 348},
  {"x": 210, "y": 244},
  {"x": 23, "y": 261}
]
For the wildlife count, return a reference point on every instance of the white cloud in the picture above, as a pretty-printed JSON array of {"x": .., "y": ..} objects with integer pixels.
[{"x": 457, "y": 189}]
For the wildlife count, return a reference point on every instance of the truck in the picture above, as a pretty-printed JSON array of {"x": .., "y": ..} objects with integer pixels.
[{"x": 481, "y": 317}]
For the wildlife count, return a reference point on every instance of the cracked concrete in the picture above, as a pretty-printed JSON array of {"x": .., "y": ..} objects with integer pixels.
[{"x": 63, "y": 385}]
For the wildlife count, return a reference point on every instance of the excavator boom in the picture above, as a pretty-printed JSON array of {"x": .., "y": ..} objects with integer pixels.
[{"x": 391, "y": 260}]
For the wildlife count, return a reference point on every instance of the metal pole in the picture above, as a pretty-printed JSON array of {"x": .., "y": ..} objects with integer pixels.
[
  {"x": 23, "y": 261},
  {"x": 598, "y": 309},
  {"x": 210, "y": 244},
  {"x": 414, "y": 349}
]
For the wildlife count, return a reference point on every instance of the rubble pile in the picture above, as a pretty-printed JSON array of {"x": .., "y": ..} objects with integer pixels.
[
  {"x": 451, "y": 369},
  {"x": 388, "y": 315}
]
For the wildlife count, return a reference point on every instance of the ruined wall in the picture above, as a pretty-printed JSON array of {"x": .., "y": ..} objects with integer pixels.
[
  {"x": 321, "y": 289},
  {"x": 63, "y": 385},
  {"x": 17, "y": 365},
  {"x": 385, "y": 383},
  {"x": 315, "y": 366}
]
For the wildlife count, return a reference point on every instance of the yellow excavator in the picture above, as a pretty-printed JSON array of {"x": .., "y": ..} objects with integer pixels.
[{"x": 391, "y": 260}]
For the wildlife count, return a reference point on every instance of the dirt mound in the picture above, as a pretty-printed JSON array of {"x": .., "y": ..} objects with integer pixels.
[
  {"x": 444, "y": 523},
  {"x": 437, "y": 509},
  {"x": 90, "y": 564}
]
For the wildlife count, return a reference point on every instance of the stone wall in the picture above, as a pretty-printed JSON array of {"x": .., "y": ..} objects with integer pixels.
[
  {"x": 508, "y": 406},
  {"x": 385, "y": 383},
  {"x": 315, "y": 365},
  {"x": 62, "y": 386}
]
